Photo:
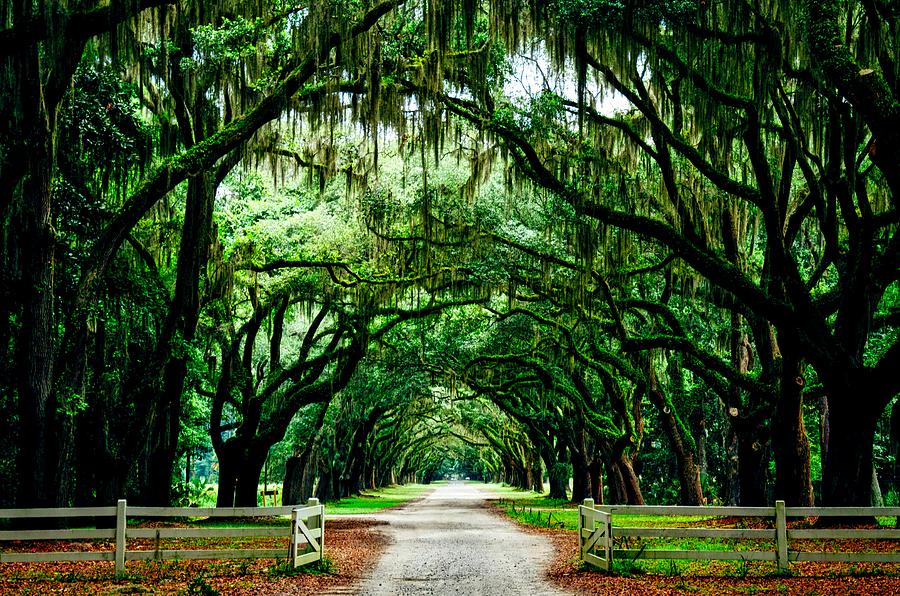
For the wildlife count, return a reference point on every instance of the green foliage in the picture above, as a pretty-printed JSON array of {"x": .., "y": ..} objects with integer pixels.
[
  {"x": 403, "y": 38},
  {"x": 194, "y": 493},
  {"x": 538, "y": 120},
  {"x": 104, "y": 121},
  {"x": 227, "y": 44},
  {"x": 595, "y": 13},
  {"x": 403, "y": 174},
  {"x": 325, "y": 566},
  {"x": 628, "y": 567},
  {"x": 200, "y": 586}
]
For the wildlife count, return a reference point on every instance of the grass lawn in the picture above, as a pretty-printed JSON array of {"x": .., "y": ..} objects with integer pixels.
[
  {"x": 372, "y": 501},
  {"x": 529, "y": 507},
  {"x": 369, "y": 501}
]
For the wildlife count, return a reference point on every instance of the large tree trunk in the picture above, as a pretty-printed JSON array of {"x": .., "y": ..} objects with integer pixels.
[
  {"x": 372, "y": 476},
  {"x": 43, "y": 74},
  {"x": 299, "y": 473},
  {"x": 877, "y": 498},
  {"x": 355, "y": 467},
  {"x": 520, "y": 475},
  {"x": 690, "y": 491},
  {"x": 824, "y": 431},
  {"x": 558, "y": 473},
  {"x": 198, "y": 119},
  {"x": 753, "y": 469},
  {"x": 595, "y": 480},
  {"x": 535, "y": 472},
  {"x": 353, "y": 475},
  {"x": 731, "y": 477},
  {"x": 790, "y": 444},
  {"x": 581, "y": 480},
  {"x": 240, "y": 465},
  {"x": 181, "y": 326},
  {"x": 847, "y": 477},
  {"x": 227, "y": 477},
  {"x": 37, "y": 462},
  {"x": 247, "y": 486},
  {"x": 559, "y": 476},
  {"x": 630, "y": 481},
  {"x": 617, "y": 492},
  {"x": 698, "y": 431},
  {"x": 294, "y": 472},
  {"x": 324, "y": 486},
  {"x": 336, "y": 483}
]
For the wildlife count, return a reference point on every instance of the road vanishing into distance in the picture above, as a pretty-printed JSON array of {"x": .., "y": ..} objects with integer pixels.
[{"x": 449, "y": 543}]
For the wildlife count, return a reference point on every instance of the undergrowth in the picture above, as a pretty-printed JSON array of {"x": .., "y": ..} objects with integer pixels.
[{"x": 284, "y": 568}]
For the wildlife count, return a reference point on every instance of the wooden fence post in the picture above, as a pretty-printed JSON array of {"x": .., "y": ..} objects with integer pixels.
[
  {"x": 781, "y": 542},
  {"x": 608, "y": 546},
  {"x": 120, "y": 537},
  {"x": 318, "y": 523},
  {"x": 587, "y": 503},
  {"x": 304, "y": 526},
  {"x": 292, "y": 552}
]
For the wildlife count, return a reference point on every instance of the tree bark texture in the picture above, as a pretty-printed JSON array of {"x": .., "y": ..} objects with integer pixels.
[
  {"x": 753, "y": 469},
  {"x": 847, "y": 477},
  {"x": 790, "y": 444},
  {"x": 690, "y": 491},
  {"x": 37, "y": 411}
]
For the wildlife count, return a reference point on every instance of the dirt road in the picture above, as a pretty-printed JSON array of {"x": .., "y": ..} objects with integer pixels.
[{"x": 448, "y": 543}]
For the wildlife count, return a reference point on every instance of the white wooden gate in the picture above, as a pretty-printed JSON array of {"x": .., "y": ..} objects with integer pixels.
[
  {"x": 307, "y": 528},
  {"x": 595, "y": 536}
]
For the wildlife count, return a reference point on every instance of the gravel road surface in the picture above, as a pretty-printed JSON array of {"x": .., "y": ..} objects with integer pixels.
[{"x": 448, "y": 543}]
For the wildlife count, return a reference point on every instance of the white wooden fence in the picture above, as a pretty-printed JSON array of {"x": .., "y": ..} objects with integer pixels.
[
  {"x": 596, "y": 533},
  {"x": 306, "y": 533}
]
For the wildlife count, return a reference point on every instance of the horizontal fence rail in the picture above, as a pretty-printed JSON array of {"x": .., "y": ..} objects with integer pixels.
[
  {"x": 305, "y": 533},
  {"x": 596, "y": 534}
]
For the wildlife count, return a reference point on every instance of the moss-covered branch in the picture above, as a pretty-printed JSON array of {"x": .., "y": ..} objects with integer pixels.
[
  {"x": 71, "y": 26},
  {"x": 203, "y": 155}
]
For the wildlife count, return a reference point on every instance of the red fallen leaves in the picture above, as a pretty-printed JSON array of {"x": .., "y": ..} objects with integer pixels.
[
  {"x": 720, "y": 578},
  {"x": 715, "y": 578},
  {"x": 837, "y": 579},
  {"x": 353, "y": 546}
]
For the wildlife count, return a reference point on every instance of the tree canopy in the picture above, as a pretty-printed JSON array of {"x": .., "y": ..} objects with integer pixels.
[{"x": 647, "y": 250}]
